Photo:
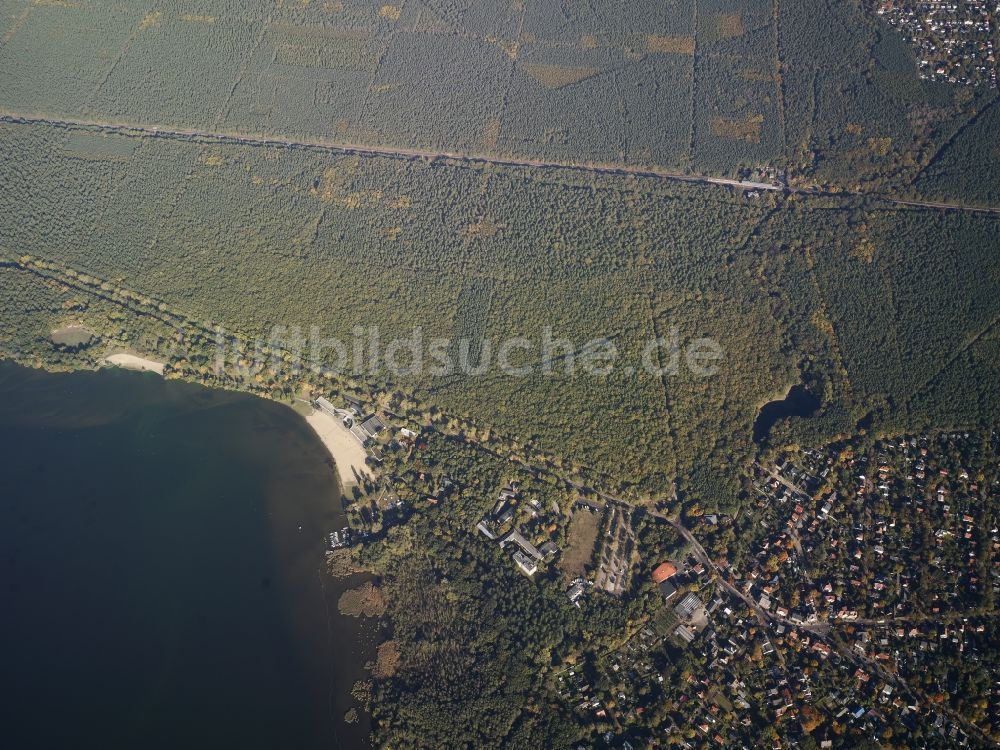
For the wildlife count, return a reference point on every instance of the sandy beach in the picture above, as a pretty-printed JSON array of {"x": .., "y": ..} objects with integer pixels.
[
  {"x": 347, "y": 453},
  {"x": 132, "y": 362}
]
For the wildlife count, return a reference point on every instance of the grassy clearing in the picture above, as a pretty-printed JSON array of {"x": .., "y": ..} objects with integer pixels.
[
  {"x": 583, "y": 530},
  {"x": 72, "y": 336},
  {"x": 559, "y": 76},
  {"x": 315, "y": 47},
  {"x": 744, "y": 130},
  {"x": 99, "y": 146},
  {"x": 729, "y": 25},
  {"x": 670, "y": 45}
]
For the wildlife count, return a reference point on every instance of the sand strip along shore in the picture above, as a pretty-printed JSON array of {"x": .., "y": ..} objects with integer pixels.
[
  {"x": 132, "y": 362},
  {"x": 348, "y": 454}
]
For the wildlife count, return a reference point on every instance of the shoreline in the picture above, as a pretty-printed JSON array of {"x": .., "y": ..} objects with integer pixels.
[
  {"x": 347, "y": 453},
  {"x": 285, "y": 521},
  {"x": 349, "y": 457},
  {"x": 133, "y": 362}
]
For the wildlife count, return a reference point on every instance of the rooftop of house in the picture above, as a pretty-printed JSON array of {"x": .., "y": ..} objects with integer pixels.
[{"x": 663, "y": 571}]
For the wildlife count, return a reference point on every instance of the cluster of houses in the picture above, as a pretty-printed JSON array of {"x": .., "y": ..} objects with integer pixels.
[
  {"x": 574, "y": 684},
  {"x": 739, "y": 676},
  {"x": 954, "y": 39},
  {"x": 848, "y": 551},
  {"x": 740, "y": 668},
  {"x": 497, "y": 526},
  {"x": 834, "y": 554},
  {"x": 612, "y": 688},
  {"x": 917, "y": 649},
  {"x": 868, "y": 531},
  {"x": 742, "y": 673},
  {"x": 785, "y": 488},
  {"x": 373, "y": 514}
]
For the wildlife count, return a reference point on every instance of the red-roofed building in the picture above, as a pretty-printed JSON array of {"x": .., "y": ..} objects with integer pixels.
[{"x": 664, "y": 571}]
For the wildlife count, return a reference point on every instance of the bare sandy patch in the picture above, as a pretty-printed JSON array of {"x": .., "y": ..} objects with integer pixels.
[
  {"x": 390, "y": 12},
  {"x": 150, "y": 20},
  {"x": 670, "y": 45},
  {"x": 485, "y": 228},
  {"x": 347, "y": 453},
  {"x": 559, "y": 76},
  {"x": 729, "y": 25},
  {"x": 133, "y": 362},
  {"x": 492, "y": 135}
]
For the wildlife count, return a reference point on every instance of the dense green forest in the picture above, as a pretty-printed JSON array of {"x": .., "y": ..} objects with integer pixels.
[
  {"x": 876, "y": 308},
  {"x": 139, "y": 225},
  {"x": 715, "y": 86},
  {"x": 968, "y": 164}
]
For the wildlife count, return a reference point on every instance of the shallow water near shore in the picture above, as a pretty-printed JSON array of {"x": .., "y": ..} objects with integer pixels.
[{"x": 162, "y": 569}]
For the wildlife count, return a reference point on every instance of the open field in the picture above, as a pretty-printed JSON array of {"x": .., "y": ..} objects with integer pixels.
[
  {"x": 577, "y": 560},
  {"x": 72, "y": 336}
]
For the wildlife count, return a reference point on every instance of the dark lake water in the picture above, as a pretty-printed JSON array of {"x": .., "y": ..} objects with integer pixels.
[
  {"x": 157, "y": 591},
  {"x": 799, "y": 402}
]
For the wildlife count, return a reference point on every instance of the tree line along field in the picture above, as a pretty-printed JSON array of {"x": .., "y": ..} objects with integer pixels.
[
  {"x": 887, "y": 314},
  {"x": 711, "y": 86}
]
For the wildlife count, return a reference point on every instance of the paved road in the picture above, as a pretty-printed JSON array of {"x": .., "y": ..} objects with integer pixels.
[
  {"x": 917, "y": 618},
  {"x": 776, "y": 476},
  {"x": 400, "y": 152},
  {"x": 822, "y": 631},
  {"x": 359, "y": 149},
  {"x": 394, "y": 152}
]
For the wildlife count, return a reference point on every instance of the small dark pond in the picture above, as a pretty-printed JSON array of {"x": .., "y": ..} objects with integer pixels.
[{"x": 799, "y": 402}]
